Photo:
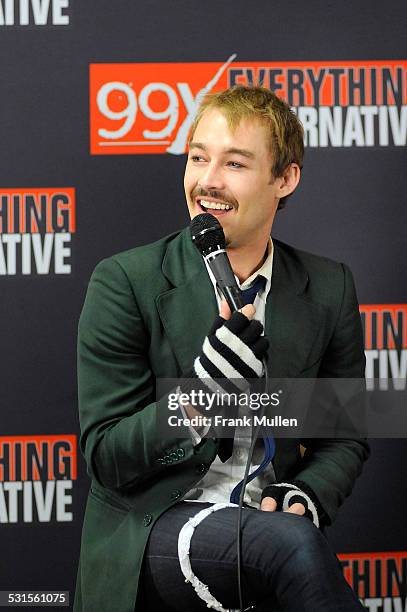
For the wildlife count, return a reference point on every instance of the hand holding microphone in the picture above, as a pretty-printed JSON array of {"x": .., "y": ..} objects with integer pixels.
[{"x": 231, "y": 355}]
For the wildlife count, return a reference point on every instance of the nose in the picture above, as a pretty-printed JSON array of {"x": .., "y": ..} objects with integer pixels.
[{"x": 211, "y": 177}]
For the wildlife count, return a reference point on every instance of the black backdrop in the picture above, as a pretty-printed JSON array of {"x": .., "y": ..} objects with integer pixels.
[{"x": 350, "y": 206}]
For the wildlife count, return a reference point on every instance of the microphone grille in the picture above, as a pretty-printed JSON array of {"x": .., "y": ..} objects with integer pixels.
[{"x": 207, "y": 233}]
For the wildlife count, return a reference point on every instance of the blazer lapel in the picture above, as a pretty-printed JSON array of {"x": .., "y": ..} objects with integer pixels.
[
  {"x": 294, "y": 324},
  {"x": 188, "y": 310}
]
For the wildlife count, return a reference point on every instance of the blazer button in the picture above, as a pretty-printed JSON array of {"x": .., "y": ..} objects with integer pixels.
[
  {"x": 200, "y": 468},
  {"x": 180, "y": 452},
  {"x": 176, "y": 494},
  {"x": 147, "y": 520}
]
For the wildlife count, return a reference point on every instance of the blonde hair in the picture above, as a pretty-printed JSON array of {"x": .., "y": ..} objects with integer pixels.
[{"x": 286, "y": 134}]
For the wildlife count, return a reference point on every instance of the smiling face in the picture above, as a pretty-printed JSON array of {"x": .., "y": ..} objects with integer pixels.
[{"x": 228, "y": 174}]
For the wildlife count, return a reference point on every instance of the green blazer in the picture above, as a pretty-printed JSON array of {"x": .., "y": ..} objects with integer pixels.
[{"x": 146, "y": 313}]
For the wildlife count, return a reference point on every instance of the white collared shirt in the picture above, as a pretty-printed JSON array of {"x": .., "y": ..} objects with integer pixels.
[{"x": 221, "y": 478}]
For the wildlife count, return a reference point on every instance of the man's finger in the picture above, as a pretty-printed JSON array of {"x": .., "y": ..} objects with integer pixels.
[
  {"x": 225, "y": 311},
  {"x": 249, "y": 311},
  {"x": 296, "y": 509},
  {"x": 268, "y": 504}
]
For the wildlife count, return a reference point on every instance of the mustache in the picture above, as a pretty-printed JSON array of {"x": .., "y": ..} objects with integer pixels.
[{"x": 215, "y": 194}]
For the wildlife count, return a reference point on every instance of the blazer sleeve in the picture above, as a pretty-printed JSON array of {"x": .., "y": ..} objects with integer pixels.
[
  {"x": 119, "y": 417},
  {"x": 331, "y": 466}
]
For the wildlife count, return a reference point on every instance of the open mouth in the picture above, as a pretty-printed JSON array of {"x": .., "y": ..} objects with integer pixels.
[{"x": 214, "y": 208}]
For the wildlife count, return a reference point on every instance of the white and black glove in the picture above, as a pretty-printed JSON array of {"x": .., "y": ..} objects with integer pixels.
[
  {"x": 288, "y": 493},
  {"x": 231, "y": 355}
]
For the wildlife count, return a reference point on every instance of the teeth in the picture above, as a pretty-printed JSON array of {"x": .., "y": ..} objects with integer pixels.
[{"x": 215, "y": 205}]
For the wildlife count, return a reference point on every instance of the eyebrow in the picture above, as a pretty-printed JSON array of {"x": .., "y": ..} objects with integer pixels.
[{"x": 232, "y": 150}]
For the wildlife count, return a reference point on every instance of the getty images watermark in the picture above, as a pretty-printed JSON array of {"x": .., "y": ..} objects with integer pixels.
[
  {"x": 286, "y": 408},
  {"x": 200, "y": 401}
]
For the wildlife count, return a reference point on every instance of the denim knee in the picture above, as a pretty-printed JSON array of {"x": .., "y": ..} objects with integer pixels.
[
  {"x": 293, "y": 541},
  {"x": 299, "y": 532},
  {"x": 304, "y": 546}
]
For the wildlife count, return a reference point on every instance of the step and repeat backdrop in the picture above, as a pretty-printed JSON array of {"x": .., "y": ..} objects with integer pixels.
[{"x": 96, "y": 102}]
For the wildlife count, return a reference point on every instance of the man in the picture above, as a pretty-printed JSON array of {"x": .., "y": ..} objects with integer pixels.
[{"x": 149, "y": 314}]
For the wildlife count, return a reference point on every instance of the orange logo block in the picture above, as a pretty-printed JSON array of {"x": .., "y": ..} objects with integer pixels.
[
  {"x": 37, "y": 210},
  {"x": 148, "y": 108},
  {"x": 384, "y": 325},
  {"x": 44, "y": 457},
  {"x": 375, "y": 575}
]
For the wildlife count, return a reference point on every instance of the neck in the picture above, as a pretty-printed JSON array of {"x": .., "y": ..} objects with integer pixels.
[{"x": 247, "y": 259}]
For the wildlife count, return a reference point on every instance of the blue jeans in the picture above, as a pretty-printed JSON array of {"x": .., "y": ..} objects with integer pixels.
[{"x": 287, "y": 564}]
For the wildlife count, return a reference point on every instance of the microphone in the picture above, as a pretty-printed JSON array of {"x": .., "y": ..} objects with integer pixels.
[{"x": 208, "y": 237}]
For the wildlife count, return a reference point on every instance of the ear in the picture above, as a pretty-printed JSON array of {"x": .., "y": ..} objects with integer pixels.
[{"x": 289, "y": 180}]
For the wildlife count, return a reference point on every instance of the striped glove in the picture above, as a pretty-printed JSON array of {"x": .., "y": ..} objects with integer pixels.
[
  {"x": 231, "y": 355},
  {"x": 288, "y": 493}
]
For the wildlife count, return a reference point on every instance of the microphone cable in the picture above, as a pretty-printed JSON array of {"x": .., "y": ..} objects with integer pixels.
[{"x": 242, "y": 492}]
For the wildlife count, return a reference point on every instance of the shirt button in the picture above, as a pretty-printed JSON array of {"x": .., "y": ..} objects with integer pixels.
[
  {"x": 239, "y": 453},
  {"x": 147, "y": 520},
  {"x": 176, "y": 494},
  {"x": 200, "y": 468}
]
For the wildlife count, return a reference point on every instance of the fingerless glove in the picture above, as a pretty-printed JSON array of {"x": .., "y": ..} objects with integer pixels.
[
  {"x": 288, "y": 493},
  {"x": 231, "y": 355}
]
